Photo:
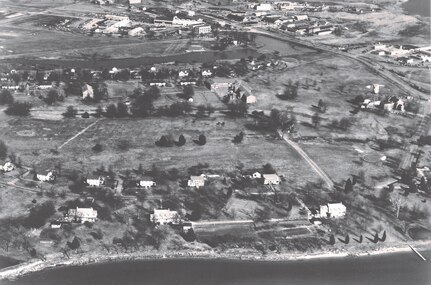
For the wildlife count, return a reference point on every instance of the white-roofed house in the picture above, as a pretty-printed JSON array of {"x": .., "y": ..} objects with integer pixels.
[
  {"x": 332, "y": 210},
  {"x": 146, "y": 183},
  {"x": 87, "y": 91},
  {"x": 272, "y": 179},
  {"x": 95, "y": 182},
  {"x": 164, "y": 217},
  {"x": 82, "y": 215},
  {"x": 49, "y": 177},
  {"x": 196, "y": 181},
  {"x": 7, "y": 167}
]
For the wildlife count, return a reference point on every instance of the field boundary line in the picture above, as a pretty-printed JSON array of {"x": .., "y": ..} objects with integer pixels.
[{"x": 78, "y": 134}]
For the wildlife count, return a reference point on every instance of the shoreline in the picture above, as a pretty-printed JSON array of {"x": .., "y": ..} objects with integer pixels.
[{"x": 57, "y": 260}]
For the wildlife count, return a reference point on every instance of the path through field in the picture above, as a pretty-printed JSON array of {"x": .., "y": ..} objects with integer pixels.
[
  {"x": 305, "y": 156},
  {"x": 78, "y": 134}
]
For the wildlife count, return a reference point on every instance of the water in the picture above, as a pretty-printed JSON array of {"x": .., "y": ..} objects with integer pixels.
[
  {"x": 418, "y": 7},
  {"x": 400, "y": 268}
]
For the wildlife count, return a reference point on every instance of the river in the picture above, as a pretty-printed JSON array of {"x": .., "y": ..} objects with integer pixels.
[
  {"x": 417, "y": 7},
  {"x": 398, "y": 268}
]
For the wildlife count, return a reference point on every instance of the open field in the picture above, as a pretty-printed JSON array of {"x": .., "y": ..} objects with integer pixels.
[{"x": 219, "y": 151}]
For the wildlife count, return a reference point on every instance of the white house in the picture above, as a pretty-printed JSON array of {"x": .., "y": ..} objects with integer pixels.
[
  {"x": 300, "y": 17},
  {"x": 146, "y": 183},
  {"x": 332, "y": 210},
  {"x": 196, "y": 181},
  {"x": 164, "y": 217},
  {"x": 83, "y": 215},
  {"x": 7, "y": 167},
  {"x": 271, "y": 179},
  {"x": 205, "y": 29},
  {"x": 249, "y": 99},
  {"x": 49, "y": 177},
  {"x": 135, "y": 2},
  {"x": 256, "y": 175},
  {"x": 263, "y": 7},
  {"x": 138, "y": 31},
  {"x": 207, "y": 73},
  {"x": 158, "y": 84},
  {"x": 183, "y": 73},
  {"x": 87, "y": 91},
  {"x": 95, "y": 182}
]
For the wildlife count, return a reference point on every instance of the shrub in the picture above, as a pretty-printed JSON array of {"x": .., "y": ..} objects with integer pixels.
[
  {"x": 6, "y": 97},
  {"x": 181, "y": 141},
  {"x": 70, "y": 112},
  {"x": 122, "y": 110},
  {"x": 39, "y": 215},
  {"x": 97, "y": 148},
  {"x": 3, "y": 150},
  {"x": 124, "y": 145},
  {"x": 111, "y": 111},
  {"x": 19, "y": 109}
]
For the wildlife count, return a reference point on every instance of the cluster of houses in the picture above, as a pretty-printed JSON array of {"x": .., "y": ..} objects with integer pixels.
[
  {"x": 405, "y": 54},
  {"x": 391, "y": 104},
  {"x": 151, "y": 20}
]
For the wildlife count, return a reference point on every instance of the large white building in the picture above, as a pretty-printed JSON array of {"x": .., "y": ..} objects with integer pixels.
[
  {"x": 176, "y": 21},
  {"x": 83, "y": 215},
  {"x": 263, "y": 7},
  {"x": 205, "y": 29},
  {"x": 332, "y": 210},
  {"x": 164, "y": 217},
  {"x": 196, "y": 181}
]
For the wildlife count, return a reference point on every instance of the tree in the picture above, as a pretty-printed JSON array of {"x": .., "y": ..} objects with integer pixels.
[
  {"x": 181, "y": 140},
  {"x": 383, "y": 238},
  {"x": 164, "y": 141},
  {"x": 238, "y": 108},
  {"x": 268, "y": 169},
  {"x": 290, "y": 91},
  {"x": 201, "y": 110},
  {"x": 238, "y": 138},
  {"x": 348, "y": 187},
  {"x": 188, "y": 91},
  {"x": 143, "y": 103},
  {"x": 6, "y": 97},
  {"x": 97, "y": 148},
  {"x": 332, "y": 240},
  {"x": 75, "y": 244},
  {"x": 51, "y": 97},
  {"x": 70, "y": 112},
  {"x": 39, "y": 215},
  {"x": 111, "y": 111},
  {"x": 316, "y": 120},
  {"x": 3, "y": 150},
  {"x": 322, "y": 106},
  {"x": 124, "y": 145},
  {"x": 202, "y": 140},
  {"x": 122, "y": 110},
  {"x": 19, "y": 109},
  {"x": 344, "y": 124}
]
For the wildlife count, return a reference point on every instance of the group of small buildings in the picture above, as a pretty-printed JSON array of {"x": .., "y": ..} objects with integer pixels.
[
  {"x": 405, "y": 54},
  {"x": 392, "y": 104},
  {"x": 233, "y": 89}
]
